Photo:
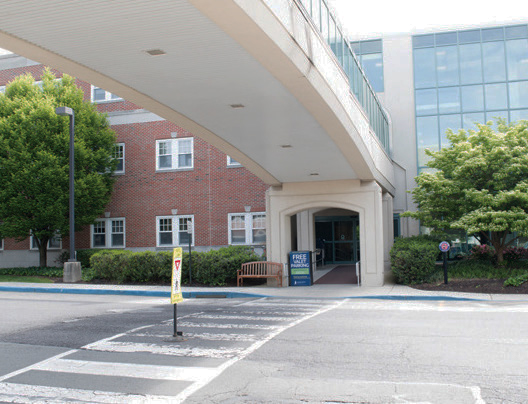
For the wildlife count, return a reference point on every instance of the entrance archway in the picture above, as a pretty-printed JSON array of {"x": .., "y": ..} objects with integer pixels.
[{"x": 337, "y": 235}]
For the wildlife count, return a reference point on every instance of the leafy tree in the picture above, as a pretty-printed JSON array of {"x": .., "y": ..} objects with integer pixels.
[
  {"x": 479, "y": 184},
  {"x": 34, "y": 160}
]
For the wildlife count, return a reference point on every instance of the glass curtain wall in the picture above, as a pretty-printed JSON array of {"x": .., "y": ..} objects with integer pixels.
[
  {"x": 327, "y": 25},
  {"x": 370, "y": 55},
  {"x": 463, "y": 77}
]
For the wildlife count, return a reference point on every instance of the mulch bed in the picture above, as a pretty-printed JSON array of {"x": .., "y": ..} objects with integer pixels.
[{"x": 475, "y": 286}]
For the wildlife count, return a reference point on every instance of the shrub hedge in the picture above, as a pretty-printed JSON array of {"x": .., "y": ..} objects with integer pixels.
[
  {"x": 213, "y": 268},
  {"x": 33, "y": 271},
  {"x": 413, "y": 259}
]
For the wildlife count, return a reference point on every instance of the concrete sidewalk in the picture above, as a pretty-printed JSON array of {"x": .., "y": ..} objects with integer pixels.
[{"x": 386, "y": 292}]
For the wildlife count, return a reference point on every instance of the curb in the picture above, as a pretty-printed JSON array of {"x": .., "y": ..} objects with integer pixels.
[{"x": 219, "y": 294}]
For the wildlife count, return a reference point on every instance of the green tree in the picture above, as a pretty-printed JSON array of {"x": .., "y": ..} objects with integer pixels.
[
  {"x": 479, "y": 184},
  {"x": 34, "y": 160}
]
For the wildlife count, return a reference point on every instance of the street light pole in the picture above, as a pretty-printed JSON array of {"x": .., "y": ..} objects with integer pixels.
[
  {"x": 72, "y": 272},
  {"x": 190, "y": 233}
]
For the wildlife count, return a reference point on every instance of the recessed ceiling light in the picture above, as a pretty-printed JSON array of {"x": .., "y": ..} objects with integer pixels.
[
  {"x": 314, "y": 174},
  {"x": 155, "y": 52},
  {"x": 237, "y": 106},
  {"x": 286, "y": 146}
]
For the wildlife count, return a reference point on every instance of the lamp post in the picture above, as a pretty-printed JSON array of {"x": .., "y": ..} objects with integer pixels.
[
  {"x": 190, "y": 233},
  {"x": 72, "y": 268}
]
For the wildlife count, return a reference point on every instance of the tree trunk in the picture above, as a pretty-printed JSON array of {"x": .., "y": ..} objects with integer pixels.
[{"x": 43, "y": 252}]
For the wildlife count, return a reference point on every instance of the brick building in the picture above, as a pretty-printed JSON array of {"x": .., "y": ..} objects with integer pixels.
[{"x": 166, "y": 178}]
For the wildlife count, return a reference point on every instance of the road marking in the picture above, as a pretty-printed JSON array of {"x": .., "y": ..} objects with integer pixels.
[
  {"x": 241, "y": 317},
  {"x": 182, "y": 373},
  {"x": 220, "y": 369},
  {"x": 206, "y": 336},
  {"x": 436, "y": 306},
  {"x": 112, "y": 346},
  {"x": 230, "y": 326},
  {"x": 27, "y": 394}
]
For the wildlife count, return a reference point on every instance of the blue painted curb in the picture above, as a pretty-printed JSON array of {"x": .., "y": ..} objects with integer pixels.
[
  {"x": 153, "y": 293},
  {"x": 218, "y": 294}
]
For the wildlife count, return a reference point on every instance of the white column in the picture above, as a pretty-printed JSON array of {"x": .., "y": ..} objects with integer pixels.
[{"x": 388, "y": 229}]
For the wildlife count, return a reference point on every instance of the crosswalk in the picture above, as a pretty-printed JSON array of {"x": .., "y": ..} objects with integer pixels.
[{"x": 148, "y": 365}]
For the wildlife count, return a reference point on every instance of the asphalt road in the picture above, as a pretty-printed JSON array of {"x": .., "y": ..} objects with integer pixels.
[{"x": 110, "y": 349}]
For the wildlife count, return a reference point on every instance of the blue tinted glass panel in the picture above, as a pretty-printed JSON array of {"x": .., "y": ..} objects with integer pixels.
[
  {"x": 449, "y": 100},
  {"x": 324, "y": 21},
  {"x": 518, "y": 31},
  {"x": 472, "y": 98},
  {"x": 494, "y": 61},
  {"x": 447, "y": 65},
  {"x": 373, "y": 66},
  {"x": 518, "y": 115},
  {"x": 492, "y": 34},
  {"x": 495, "y": 115},
  {"x": 496, "y": 96},
  {"x": 355, "y": 47},
  {"x": 420, "y": 41},
  {"x": 469, "y": 36},
  {"x": 424, "y": 68},
  {"x": 448, "y": 38},
  {"x": 470, "y": 64},
  {"x": 426, "y": 102},
  {"x": 427, "y": 136},
  {"x": 332, "y": 39},
  {"x": 517, "y": 54},
  {"x": 371, "y": 47},
  {"x": 468, "y": 120},
  {"x": 452, "y": 122},
  {"x": 519, "y": 94}
]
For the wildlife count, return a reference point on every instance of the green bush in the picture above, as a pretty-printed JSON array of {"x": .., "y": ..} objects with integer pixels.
[
  {"x": 51, "y": 272},
  {"x": 413, "y": 259},
  {"x": 516, "y": 280},
  {"x": 212, "y": 268},
  {"x": 83, "y": 256}
]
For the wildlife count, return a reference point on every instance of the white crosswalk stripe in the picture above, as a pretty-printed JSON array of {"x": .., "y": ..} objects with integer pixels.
[{"x": 239, "y": 330}]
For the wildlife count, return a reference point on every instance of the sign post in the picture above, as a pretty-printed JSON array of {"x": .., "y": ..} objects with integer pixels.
[
  {"x": 444, "y": 247},
  {"x": 176, "y": 293}
]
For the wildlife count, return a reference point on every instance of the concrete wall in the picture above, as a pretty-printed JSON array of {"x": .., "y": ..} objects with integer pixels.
[{"x": 398, "y": 98}]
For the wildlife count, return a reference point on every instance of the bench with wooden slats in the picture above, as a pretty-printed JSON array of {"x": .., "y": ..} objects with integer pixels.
[{"x": 260, "y": 269}]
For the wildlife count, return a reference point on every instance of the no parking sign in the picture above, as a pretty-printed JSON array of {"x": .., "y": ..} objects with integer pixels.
[{"x": 444, "y": 246}]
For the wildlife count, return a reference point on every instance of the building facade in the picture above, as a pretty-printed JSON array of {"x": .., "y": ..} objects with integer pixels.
[
  {"x": 426, "y": 82},
  {"x": 168, "y": 182}
]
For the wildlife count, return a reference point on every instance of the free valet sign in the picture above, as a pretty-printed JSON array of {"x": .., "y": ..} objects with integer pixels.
[
  {"x": 300, "y": 268},
  {"x": 176, "y": 292}
]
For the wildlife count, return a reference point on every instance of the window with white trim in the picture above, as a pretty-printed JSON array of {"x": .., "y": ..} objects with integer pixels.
[
  {"x": 2, "y": 89},
  {"x": 247, "y": 228},
  {"x": 173, "y": 154},
  {"x": 1, "y": 244},
  {"x": 108, "y": 233},
  {"x": 119, "y": 155},
  {"x": 231, "y": 162},
  {"x": 174, "y": 230},
  {"x": 100, "y": 95},
  {"x": 54, "y": 243}
]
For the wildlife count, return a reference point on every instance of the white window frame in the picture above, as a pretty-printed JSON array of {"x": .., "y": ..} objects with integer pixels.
[
  {"x": 109, "y": 97},
  {"x": 232, "y": 162},
  {"x": 108, "y": 232},
  {"x": 35, "y": 248},
  {"x": 1, "y": 244},
  {"x": 175, "y": 230},
  {"x": 175, "y": 148},
  {"x": 248, "y": 227},
  {"x": 119, "y": 158}
]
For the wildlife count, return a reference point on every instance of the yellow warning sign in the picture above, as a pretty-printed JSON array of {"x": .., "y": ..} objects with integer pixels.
[{"x": 176, "y": 293}]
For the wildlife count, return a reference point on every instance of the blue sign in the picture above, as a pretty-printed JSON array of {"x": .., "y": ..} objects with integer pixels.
[
  {"x": 300, "y": 268},
  {"x": 444, "y": 246}
]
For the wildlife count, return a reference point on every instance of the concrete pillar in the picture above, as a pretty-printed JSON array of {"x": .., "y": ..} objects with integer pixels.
[
  {"x": 388, "y": 230},
  {"x": 72, "y": 272}
]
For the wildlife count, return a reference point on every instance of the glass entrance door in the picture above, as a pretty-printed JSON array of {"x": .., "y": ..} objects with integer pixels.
[{"x": 340, "y": 236}]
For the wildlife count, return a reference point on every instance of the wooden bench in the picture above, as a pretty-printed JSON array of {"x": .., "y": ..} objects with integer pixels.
[{"x": 260, "y": 269}]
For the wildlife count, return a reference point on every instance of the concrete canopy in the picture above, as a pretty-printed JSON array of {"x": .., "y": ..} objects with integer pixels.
[{"x": 230, "y": 73}]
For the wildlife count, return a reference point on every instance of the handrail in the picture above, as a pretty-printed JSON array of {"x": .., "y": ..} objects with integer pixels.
[{"x": 327, "y": 25}]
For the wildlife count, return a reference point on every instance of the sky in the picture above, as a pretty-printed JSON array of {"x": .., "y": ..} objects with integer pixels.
[{"x": 370, "y": 18}]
